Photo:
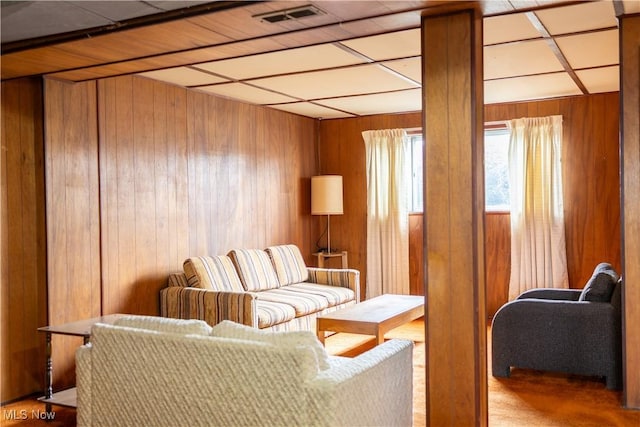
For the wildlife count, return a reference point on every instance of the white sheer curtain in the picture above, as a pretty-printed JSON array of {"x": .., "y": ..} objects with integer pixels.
[
  {"x": 388, "y": 180},
  {"x": 538, "y": 251}
]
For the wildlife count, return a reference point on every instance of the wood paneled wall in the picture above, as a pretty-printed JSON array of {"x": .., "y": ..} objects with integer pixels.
[
  {"x": 591, "y": 174},
  {"x": 591, "y": 187},
  {"x": 73, "y": 217},
  {"x": 341, "y": 152},
  {"x": 139, "y": 176},
  {"x": 184, "y": 173},
  {"x": 22, "y": 240}
]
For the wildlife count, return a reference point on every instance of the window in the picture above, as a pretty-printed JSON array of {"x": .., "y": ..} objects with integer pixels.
[
  {"x": 415, "y": 154},
  {"x": 496, "y": 169}
]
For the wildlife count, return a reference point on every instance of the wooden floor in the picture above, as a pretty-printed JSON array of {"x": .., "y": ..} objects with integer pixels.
[{"x": 527, "y": 398}]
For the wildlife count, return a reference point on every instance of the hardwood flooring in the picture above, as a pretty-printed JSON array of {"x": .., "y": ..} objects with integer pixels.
[{"x": 527, "y": 398}]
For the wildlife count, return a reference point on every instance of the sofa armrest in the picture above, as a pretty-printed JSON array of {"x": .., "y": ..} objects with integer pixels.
[
  {"x": 552, "y": 294},
  {"x": 211, "y": 306},
  {"x": 346, "y": 278},
  {"x": 385, "y": 372},
  {"x": 83, "y": 381}
]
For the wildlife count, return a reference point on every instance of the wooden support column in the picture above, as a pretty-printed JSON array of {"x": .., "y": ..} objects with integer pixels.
[
  {"x": 630, "y": 172},
  {"x": 454, "y": 220}
]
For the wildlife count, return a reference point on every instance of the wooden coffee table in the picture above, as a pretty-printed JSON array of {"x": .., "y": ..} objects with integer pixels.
[{"x": 375, "y": 316}]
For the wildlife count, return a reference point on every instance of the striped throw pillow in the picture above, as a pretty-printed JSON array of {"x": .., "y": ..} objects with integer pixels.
[
  {"x": 289, "y": 264},
  {"x": 255, "y": 269},
  {"x": 212, "y": 272}
]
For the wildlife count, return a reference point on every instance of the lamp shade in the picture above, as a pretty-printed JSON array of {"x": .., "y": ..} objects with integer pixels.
[{"x": 326, "y": 195}]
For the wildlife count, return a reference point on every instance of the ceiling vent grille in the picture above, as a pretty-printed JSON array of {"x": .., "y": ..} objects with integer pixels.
[{"x": 290, "y": 14}]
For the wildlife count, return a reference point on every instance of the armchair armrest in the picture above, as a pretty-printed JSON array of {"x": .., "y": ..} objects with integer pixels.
[
  {"x": 552, "y": 294},
  {"x": 211, "y": 306},
  {"x": 346, "y": 278},
  {"x": 385, "y": 371}
]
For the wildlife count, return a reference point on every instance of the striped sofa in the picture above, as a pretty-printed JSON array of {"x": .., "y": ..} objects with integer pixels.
[{"x": 269, "y": 289}]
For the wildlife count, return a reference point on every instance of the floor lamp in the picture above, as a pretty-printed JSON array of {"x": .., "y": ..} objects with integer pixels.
[{"x": 326, "y": 199}]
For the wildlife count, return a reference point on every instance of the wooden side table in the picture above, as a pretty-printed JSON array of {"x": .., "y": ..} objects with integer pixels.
[
  {"x": 81, "y": 328},
  {"x": 323, "y": 256}
]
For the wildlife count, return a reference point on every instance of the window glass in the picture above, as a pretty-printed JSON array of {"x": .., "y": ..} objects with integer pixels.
[
  {"x": 415, "y": 151},
  {"x": 496, "y": 169}
]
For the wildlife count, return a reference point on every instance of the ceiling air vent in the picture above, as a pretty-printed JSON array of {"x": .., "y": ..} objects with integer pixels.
[{"x": 289, "y": 14}]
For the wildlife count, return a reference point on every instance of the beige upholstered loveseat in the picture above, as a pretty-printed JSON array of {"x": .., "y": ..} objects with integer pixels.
[
  {"x": 268, "y": 289},
  {"x": 154, "y": 371}
]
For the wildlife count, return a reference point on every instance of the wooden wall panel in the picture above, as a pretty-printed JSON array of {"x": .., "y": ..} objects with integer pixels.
[
  {"x": 416, "y": 254},
  {"x": 497, "y": 259},
  {"x": 341, "y": 151},
  {"x": 73, "y": 228},
  {"x": 184, "y": 173},
  {"x": 630, "y": 131},
  {"x": 22, "y": 240},
  {"x": 591, "y": 176}
]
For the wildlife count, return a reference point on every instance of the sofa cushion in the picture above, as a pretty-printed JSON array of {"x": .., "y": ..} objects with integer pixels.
[
  {"x": 228, "y": 329},
  {"x": 273, "y": 313},
  {"x": 254, "y": 269},
  {"x": 163, "y": 324},
  {"x": 288, "y": 263},
  {"x": 303, "y": 303},
  {"x": 601, "y": 285},
  {"x": 212, "y": 272},
  {"x": 335, "y": 295}
]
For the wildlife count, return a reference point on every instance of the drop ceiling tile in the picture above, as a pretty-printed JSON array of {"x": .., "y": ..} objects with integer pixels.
[
  {"x": 508, "y": 28},
  {"x": 519, "y": 58},
  {"x": 381, "y": 103},
  {"x": 311, "y": 110},
  {"x": 585, "y": 16},
  {"x": 287, "y": 61},
  {"x": 243, "y": 92},
  {"x": 410, "y": 68},
  {"x": 183, "y": 76},
  {"x": 598, "y": 80},
  {"x": 529, "y": 87},
  {"x": 340, "y": 82},
  {"x": 400, "y": 44},
  {"x": 602, "y": 49},
  {"x": 631, "y": 6}
]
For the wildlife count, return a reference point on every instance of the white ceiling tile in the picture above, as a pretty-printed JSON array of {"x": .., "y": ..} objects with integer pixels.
[
  {"x": 183, "y": 76},
  {"x": 243, "y": 92},
  {"x": 529, "y": 87},
  {"x": 590, "y": 49},
  {"x": 519, "y": 58},
  {"x": 394, "y": 102},
  {"x": 585, "y": 16},
  {"x": 411, "y": 68},
  {"x": 508, "y": 28},
  {"x": 400, "y": 44},
  {"x": 287, "y": 61},
  {"x": 340, "y": 82},
  {"x": 311, "y": 110},
  {"x": 631, "y": 6},
  {"x": 598, "y": 80}
]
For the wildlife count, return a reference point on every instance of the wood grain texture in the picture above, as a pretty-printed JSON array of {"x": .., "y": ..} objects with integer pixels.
[
  {"x": 184, "y": 173},
  {"x": 416, "y": 254},
  {"x": 630, "y": 127},
  {"x": 498, "y": 259},
  {"x": 454, "y": 206},
  {"x": 73, "y": 218},
  {"x": 341, "y": 151},
  {"x": 22, "y": 239},
  {"x": 590, "y": 171}
]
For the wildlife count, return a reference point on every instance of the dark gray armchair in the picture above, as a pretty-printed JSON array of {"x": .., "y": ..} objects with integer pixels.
[{"x": 564, "y": 330}]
